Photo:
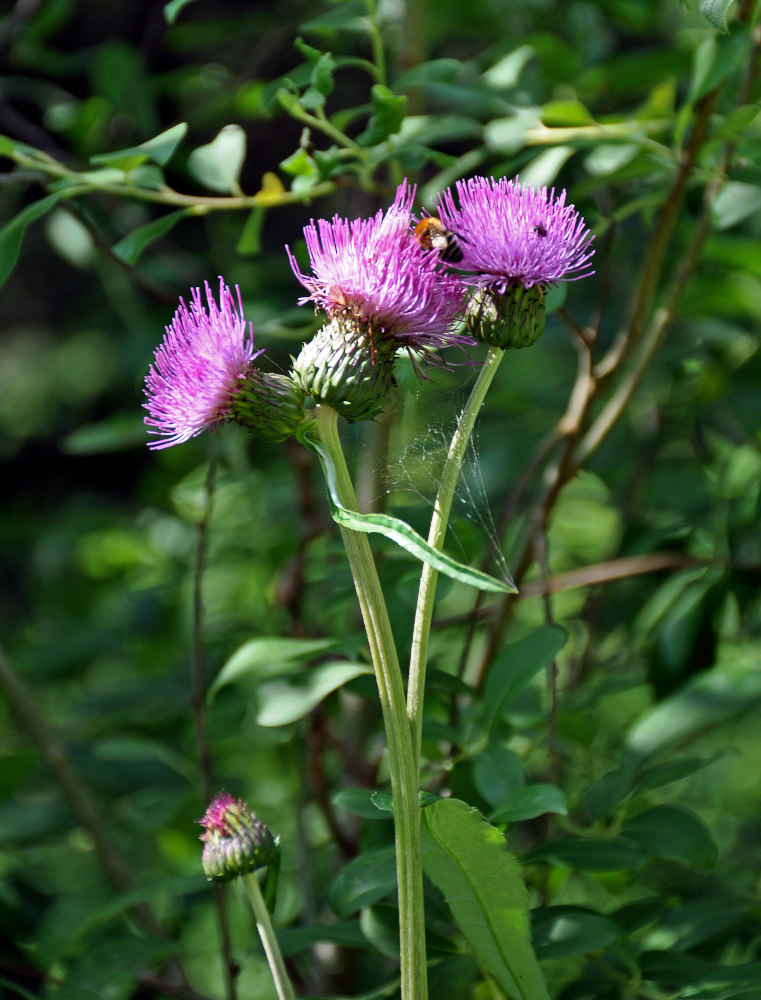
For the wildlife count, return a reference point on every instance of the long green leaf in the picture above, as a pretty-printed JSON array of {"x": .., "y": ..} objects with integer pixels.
[
  {"x": 401, "y": 533},
  {"x": 468, "y": 861},
  {"x": 12, "y": 234},
  {"x": 132, "y": 245},
  {"x": 159, "y": 149}
]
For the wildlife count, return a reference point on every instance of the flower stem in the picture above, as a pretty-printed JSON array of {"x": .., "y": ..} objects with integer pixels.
[
  {"x": 283, "y": 985},
  {"x": 436, "y": 534},
  {"x": 402, "y": 760}
]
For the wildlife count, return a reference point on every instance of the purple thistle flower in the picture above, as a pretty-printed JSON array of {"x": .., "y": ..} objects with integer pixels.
[
  {"x": 200, "y": 366},
  {"x": 511, "y": 234},
  {"x": 371, "y": 274}
]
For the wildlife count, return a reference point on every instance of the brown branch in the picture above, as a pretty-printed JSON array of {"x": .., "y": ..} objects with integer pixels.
[{"x": 76, "y": 793}]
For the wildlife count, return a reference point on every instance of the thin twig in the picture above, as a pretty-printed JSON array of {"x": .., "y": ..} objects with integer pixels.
[{"x": 198, "y": 700}]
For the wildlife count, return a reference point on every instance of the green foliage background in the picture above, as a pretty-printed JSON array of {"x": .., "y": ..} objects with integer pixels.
[{"x": 618, "y": 460}]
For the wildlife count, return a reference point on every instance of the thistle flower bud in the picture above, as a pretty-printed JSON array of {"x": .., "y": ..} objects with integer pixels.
[
  {"x": 513, "y": 318},
  {"x": 270, "y": 406},
  {"x": 236, "y": 842},
  {"x": 347, "y": 367}
]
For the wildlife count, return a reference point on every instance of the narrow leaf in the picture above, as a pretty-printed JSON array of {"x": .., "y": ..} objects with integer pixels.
[
  {"x": 402, "y": 534},
  {"x": 268, "y": 657},
  {"x": 364, "y": 881},
  {"x": 468, "y": 861},
  {"x": 132, "y": 245},
  {"x": 536, "y": 800},
  {"x": 517, "y": 665},
  {"x": 159, "y": 149},
  {"x": 362, "y": 802},
  {"x": 12, "y": 234},
  {"x": 702, "y": 703},
  {"x": 564, "y": 931},
  {"x": 284, "y": 702},
  {"x": 675, "y": 833},
  {"x": 613, "y": 855}
]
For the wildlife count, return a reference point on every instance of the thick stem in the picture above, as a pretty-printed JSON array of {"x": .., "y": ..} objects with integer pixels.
[
  {"x": 402, "y": 759},
  {"x": 436, "y": 534},
  {"x": 283, "y": 985}
]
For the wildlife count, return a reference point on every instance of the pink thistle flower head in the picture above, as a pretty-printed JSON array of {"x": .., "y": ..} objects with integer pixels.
[
  {"x": 511, "y": 233},
  {"x": 204, "y": 374},
  {"x": 372, "y": 275},
  {"x": 199, "y": 368},
  {"x": 236, "y": 841},
  {"x": 515, "y": 240}
]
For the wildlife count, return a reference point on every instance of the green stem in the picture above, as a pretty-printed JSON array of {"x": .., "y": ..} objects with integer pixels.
[
  {"x": 436, "y": 534},
  {"x": 283, "y": 985},
  {"x": 402, "y": 760}
]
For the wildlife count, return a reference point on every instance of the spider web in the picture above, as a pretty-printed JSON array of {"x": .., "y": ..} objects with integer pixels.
[{"x": 417, "y": 469}]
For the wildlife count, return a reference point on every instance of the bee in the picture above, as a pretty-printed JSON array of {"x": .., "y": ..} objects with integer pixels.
[
  {"x": 540, "y": 230},
  {"x": 432, "y": 234}
]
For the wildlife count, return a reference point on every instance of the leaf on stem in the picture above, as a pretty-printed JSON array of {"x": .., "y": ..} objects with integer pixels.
[
  {"x": 468, "y": 861},
  {"x": 401, "y": 533}
]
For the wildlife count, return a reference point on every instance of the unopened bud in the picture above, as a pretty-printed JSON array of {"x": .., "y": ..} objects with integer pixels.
[
  {"x": 236, "y": 842},
  {"x": 348, "y": 367},
  {"x": 513, "y": 318}
]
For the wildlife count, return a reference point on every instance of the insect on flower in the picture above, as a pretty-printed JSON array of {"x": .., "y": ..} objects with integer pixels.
[
  {"x": 432, "y": 234},
  {"x": 540, "y": 230}
]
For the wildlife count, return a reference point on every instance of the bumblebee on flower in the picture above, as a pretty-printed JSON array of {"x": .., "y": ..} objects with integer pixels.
[
  {"x": 519, "y": 240},
  {"x": 382, "y": 292}
]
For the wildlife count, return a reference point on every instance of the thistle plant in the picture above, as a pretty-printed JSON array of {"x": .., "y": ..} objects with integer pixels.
[
  {"x": 382, "y": 292},
  {"x": 619, "y": 457}
]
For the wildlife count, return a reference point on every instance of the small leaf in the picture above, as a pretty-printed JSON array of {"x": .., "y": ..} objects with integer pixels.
[
  {"x": 400, "y": 532},
  {"x": 565, "y": 931},
  {"x": 734, "y": 202},
  {"x": 362, "y": 802},
  {"x": 294, "y": 940},
  {"x": 601, "y": 798},
  {"x": 468, "y": 861},
  {"x": 173, "y": 8},
  {"x": 218, "y": 164},
  {"x": 284, "y": 703},
  {"x": 713, "y": 697},
  {"x": 159, "y": 149},
  {"x": 271, "y": 656},
  {"x": 12, "y": 234},
  {"x": 715, "y": 12},
  {"x": 675, "y": 833},
  {"x": 565, "y": 113},
  {"x": 271, "y": 190},
  {"x": 589, "y": 855},
  {"x": 322, "y": 74},
  {"x": 498, "y": 774},
  {"x": 130, "y": 247},
  {"x": 432, "y": 71},
  {"x": 674, "y": 770},
  {"x": 364, "y": 881},
  {"x": 517, "y": 665},
  {"x": 535, "y": 800},
  {"x": 387, "y": 117}
]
